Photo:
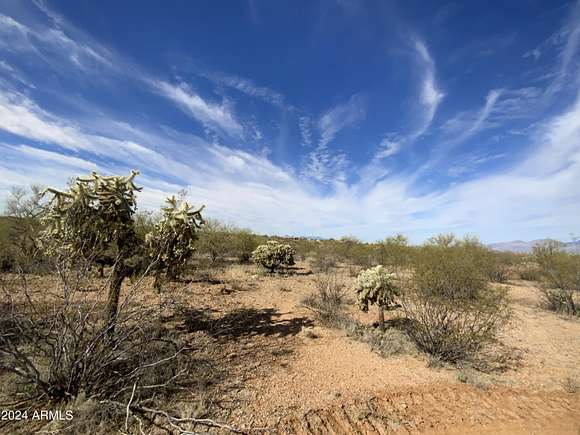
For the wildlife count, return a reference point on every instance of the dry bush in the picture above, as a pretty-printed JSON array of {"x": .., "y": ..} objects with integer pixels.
[
  {"x": 323, "y": 260},
  {"x": 452, "y": 273},
  {"x": 530, "y": 271},
  {"x": 454, "y": 330},
  {"x": 500, "y": 265},
  {"x": 214, "y": 240},
  {"x": 387, "y": 343},
  {"x": 57, "y": 350},
  {"x": 571, "y": 385},
  {"x": 329, "y": 304},
  {"x": 329, "y": 301},
  {"x": 453, "y": 313},
  {"x": 560, "y": 287}
]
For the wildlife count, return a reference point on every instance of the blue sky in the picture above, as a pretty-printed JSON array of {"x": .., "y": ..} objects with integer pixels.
[{"x": 322, "y": 117}]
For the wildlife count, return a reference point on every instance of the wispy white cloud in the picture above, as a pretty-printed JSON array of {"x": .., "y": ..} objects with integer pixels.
[
  {"x": 58, "y": 158},
  {"x": 430, "y": 97},
  {"x": 231, "y": 183},
  {"x": 341, "y": 116},
  {"x": 246, "y": 86},
  {"x": 466, "y": 164},
  {"x": 51, "y": 45},
  {"x": 388, "y": 148},
  {"x": 325, "y": 166},
  {"x": 465, "y": 125},
  {"x": 430, "y": 94},
  {"x": 305, "y": 125},
  {"x": 209, "y": 114}
]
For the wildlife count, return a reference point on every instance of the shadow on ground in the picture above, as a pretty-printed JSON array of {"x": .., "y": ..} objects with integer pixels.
[{"x": 244, "y": 322}]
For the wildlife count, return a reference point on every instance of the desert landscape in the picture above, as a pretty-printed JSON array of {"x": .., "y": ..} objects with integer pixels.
[
  {"x": 269, "y": 336},
  {"x": 294, "y": 217}
]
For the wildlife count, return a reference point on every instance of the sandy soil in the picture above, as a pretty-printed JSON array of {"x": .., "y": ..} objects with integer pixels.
[
  {"x": 276, "y": 368},
  {"x": 334, "y": 384}
]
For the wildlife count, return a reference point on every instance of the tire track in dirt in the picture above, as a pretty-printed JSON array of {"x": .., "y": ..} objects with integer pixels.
[{"x": 458, "y": 409}]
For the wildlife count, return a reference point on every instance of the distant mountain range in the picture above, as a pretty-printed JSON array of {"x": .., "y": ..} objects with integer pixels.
[{"x": 526, "y": 247}]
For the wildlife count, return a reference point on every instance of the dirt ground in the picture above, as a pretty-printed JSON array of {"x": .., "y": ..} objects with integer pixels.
[
  {"x": 288, "y": 374},
  {"x": 277, "y": 370}
]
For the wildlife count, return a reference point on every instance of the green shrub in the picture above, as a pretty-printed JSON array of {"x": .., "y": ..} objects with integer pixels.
[
  {"x": 394, "y": 251},
  {"x": 560, "y": 286},
  {"x": 214, "y": 240},
  {"x": 243, "y": 243},
  {"x": 376, "y": 286},
  {"x": 453, "y": 273},
  {"x": 452, "y": 310},
  {"x": 272, "y": 255},
  {"x": 19, "y": 231}
]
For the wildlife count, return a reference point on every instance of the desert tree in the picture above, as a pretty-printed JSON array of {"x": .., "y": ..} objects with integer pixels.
[
  {"x": 215, "y": 240},
  {"x": 23, "y": 208},
  {"x": 443, "y": 240},
  {"x": 394, "y": 250}
]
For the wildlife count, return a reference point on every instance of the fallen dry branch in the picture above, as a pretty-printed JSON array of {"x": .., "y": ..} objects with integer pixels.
[{"x": 176, "y": 422}]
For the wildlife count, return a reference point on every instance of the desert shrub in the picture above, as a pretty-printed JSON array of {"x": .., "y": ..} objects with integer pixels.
[
  {"x": 20, "y": 228},
  {"x": 499, "y": 265},
  {"x": 272, "y": 255},
  {"x": 57, "y": 352},
  {"x": 323, "y": 259},
  {"x": 376, "y": 286},
  {"x": 214, "y": 240},
  {"x": 560, "y": 286},
  {"x": 455, "y": 330},
  {"x": 7, "y": 257},
  {"x": 171, "y": 242},
  {"x": 305, "y": 247},
  {"x": 243, "y": 243},
  {"x": 352, "y": 251},
  {"x": 530, "y": 271},
  {"x": 443, "y": 240},
  {"x": 394, "y": 251},
  {"x": 454, "y": 272},
  {"x": 329, "y": 300},
  {"x": 452, "y": 310},
  {"x": 144, "y": 223}
]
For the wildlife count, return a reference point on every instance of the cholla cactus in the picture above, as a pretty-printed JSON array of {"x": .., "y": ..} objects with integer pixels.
[
  {"x": 93, "y": 216},
  {"x": 171, "y": 242},
  {"x": 273, "y": 254},
  {"x": 375, "y": 286}
]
